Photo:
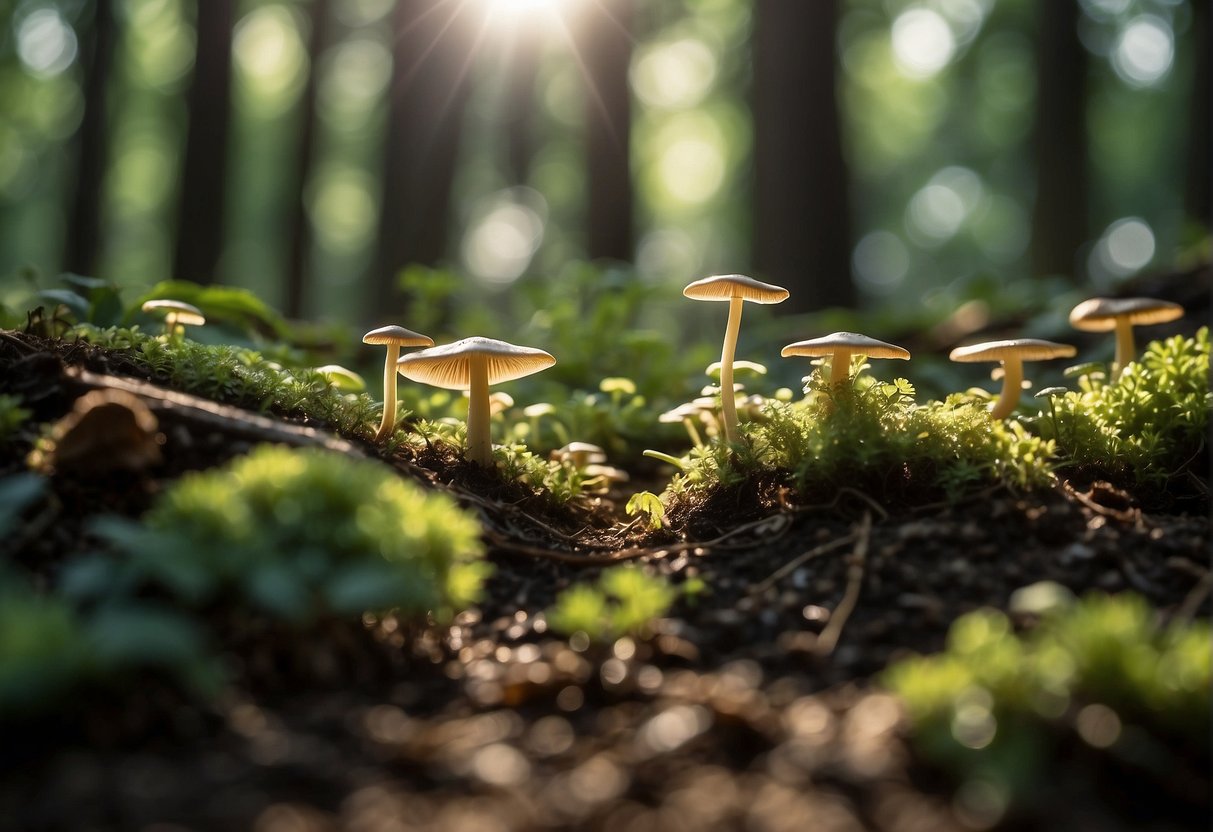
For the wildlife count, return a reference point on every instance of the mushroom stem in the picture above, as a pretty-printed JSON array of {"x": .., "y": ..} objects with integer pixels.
[
  {"x": 692, "y": 432},
  {"x": 480, "y": 446},
  {"x": 840, "y": 368},
  {"x": 728, "y": 402},
  {"x": 1012, "y": 385},
  {"x": 1126, "y": 350},
  {"x": 388, "y": 422}
]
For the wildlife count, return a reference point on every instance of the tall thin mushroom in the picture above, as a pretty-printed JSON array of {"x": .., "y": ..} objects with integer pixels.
[
  {"x": 392, "y": 337},
  {"x": 473, "y": 364},
  {"x": 1012, "y": 354},
  {"x": 736, "y": 289}
]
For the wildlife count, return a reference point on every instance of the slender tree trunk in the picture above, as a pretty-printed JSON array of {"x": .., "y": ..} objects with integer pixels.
[
  {"x": 604, "y": 41},
  {"x": 200, "y": 219},
  {"x": 802, "y": 226},
  {"x": 518, "y": 104},
  {"x": 301, "y": 227},
  {"x": 1197, "y": 198},
  {"x": 432, "y": 55},
  {"x": 1059, "y": 215},
  {"x": 84, "y": 225}
]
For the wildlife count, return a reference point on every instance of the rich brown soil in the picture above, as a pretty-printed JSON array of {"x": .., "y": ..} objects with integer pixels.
[{"x": 752, "y": 707}]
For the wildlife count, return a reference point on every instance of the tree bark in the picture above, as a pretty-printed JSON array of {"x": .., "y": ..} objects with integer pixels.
[
  {"x": 200, "y": 219},
  {"x": 1059, "y": 216},
  {"x": 92, "y": 144},
  {"x": 301, "y": 227},
  {"x": 432, "y": 55},
  {"x": 518, "y": 112},
  {"x": 604, "y": 42},
  {"x": 802, "y": 223}
]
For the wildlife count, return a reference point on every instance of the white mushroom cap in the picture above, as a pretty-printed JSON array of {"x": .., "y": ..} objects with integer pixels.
[
  {"x": 1025, "y": 349},
  {"x": 397, "y": 335},
  {"x": 1101, "y": 314},
  {"x": 183, "y": 313},
  {"x": 680, "y": 413},
  {"x": 729, "y": 286},
  {"x": 849, "y": 341},
  {"x": 449, "y": 366}
]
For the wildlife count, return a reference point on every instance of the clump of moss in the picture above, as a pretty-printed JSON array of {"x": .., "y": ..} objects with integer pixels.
[
  {"x": 993, "y": 707},
  {"x": 873, "y": 435},
  {"x": 1144, "y": 427},
  {"x": 300, "y": 534},
  {"x": 625, "y": 601}
]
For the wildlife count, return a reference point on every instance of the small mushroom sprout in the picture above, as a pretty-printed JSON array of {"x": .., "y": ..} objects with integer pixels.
[
  {"x": 1011, "y": 354},
  {"x": 1122, "y": 314},
  {"x": 176, "y": 314},
  {"x": 840, "y": 346},
  {"x": 473, "y": 364},
  {"x": 736, "y": 289},
  {"x": 392, "y": 337}
]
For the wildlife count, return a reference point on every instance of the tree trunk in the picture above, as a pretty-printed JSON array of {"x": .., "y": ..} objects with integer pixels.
[
  {"x": 301, "y": 227},
  {"x": 604, "y": 41},
  {"x": 92, "y": 145},
  {"x": 518, "y": 104},
  {"x": 1059, "y": 215},
  {"x": 200, "y": 219},
  {"x": 432, "y": 56},
  {"x": 802, "y": 224},
  {"x": 1197, "y": 198}
]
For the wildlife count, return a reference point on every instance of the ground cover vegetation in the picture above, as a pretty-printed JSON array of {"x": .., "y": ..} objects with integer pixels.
[{"x": 614, "y": 565}]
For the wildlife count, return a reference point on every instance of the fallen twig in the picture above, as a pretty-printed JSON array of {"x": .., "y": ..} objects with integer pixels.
[
  {"x": 828, "y": 639},
  {"x": 790, "y": 567}
]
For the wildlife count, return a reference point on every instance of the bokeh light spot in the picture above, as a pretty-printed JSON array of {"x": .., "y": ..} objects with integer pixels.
[
  {"x": 880, "y": 262},
  {"x": 923, "y": 43},
  {"x": 505, "y": 235},
  {"x": 674, "y": 75},
  {"x": 46, "y": 43},
  {"x": 1144, "y": 51}
]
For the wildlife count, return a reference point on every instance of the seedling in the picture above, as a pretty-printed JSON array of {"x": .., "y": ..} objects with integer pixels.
[
  {"x": 1011, "y": 354},
  {"x": 736, "y": 289}
]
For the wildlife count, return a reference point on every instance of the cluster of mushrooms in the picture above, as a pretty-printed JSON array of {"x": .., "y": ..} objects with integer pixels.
[{"x": 473, "y": 364}]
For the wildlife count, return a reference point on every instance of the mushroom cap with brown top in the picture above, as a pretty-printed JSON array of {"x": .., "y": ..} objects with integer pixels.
[
  {"x": 449, "y": 366},
  {"x": 186, "y": 313},
  {"x": 729, "y": 286},
  {"x": 397, "y": 335},
  {"x": 1026, "y": 349},
  {"x": 1101, "y": 314},
  {"x": 852, "y": 341}
]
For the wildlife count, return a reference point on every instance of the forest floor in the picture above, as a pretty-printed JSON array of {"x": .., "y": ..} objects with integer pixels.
[{"x": 754, "y": 706}]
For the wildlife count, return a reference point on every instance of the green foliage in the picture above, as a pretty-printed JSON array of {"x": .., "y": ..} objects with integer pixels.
[
  {"x": 1144, "y": 426},
  {"x": 298, "y": 535},
  {"x": 873, "y": 435},
  {"x": 625, "y": 601},
  {"x": 237, "y": 307},
  {"x": 50, "y": 652},
  {"x": 989, "y": 707},
  {"x": 12, "y": 416},
  {"x": 241, "y": 377}
]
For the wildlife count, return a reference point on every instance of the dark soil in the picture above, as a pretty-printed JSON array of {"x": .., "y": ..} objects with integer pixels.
[{"x": 753, "y": 706}]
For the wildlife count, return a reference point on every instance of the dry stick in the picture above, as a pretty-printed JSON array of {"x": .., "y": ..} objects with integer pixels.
[
  {"x": 833, "y": 504},
  {"x": 828, "y": 640},
  {"x": 790, "y": 567},
  {"x": 1191, "y": 603},
  {"x": 1127, "y": 516}
]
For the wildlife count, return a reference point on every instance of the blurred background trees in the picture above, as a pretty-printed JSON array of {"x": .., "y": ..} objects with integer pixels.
[{"x": 867, "y": 153}]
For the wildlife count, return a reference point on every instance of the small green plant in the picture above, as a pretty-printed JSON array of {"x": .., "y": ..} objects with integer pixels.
[
  {"x": 1146, "y": 425},
  {"x": 300, "y": 535},
  {"x": 625, "y": 601},
  {"x": 993, "y": 706},
  {"x": 648, "y": 504},
  {"x": 873, "y": 435}
]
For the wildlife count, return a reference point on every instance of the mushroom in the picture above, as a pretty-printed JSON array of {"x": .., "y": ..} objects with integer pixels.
[
  {"x": 687, "y": 414},
  {"x": 1012, "y": 354},
  {"x": 473, "y": 364},
  {"x": 392, "y": 337},
  {"x": 1121, "y": 314},
  {"x": 840, "y": 346},
  {"x": 736, "y": 289},
  {"x": 579, "y": 454},
  {"x": 175, "y": 313}
]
